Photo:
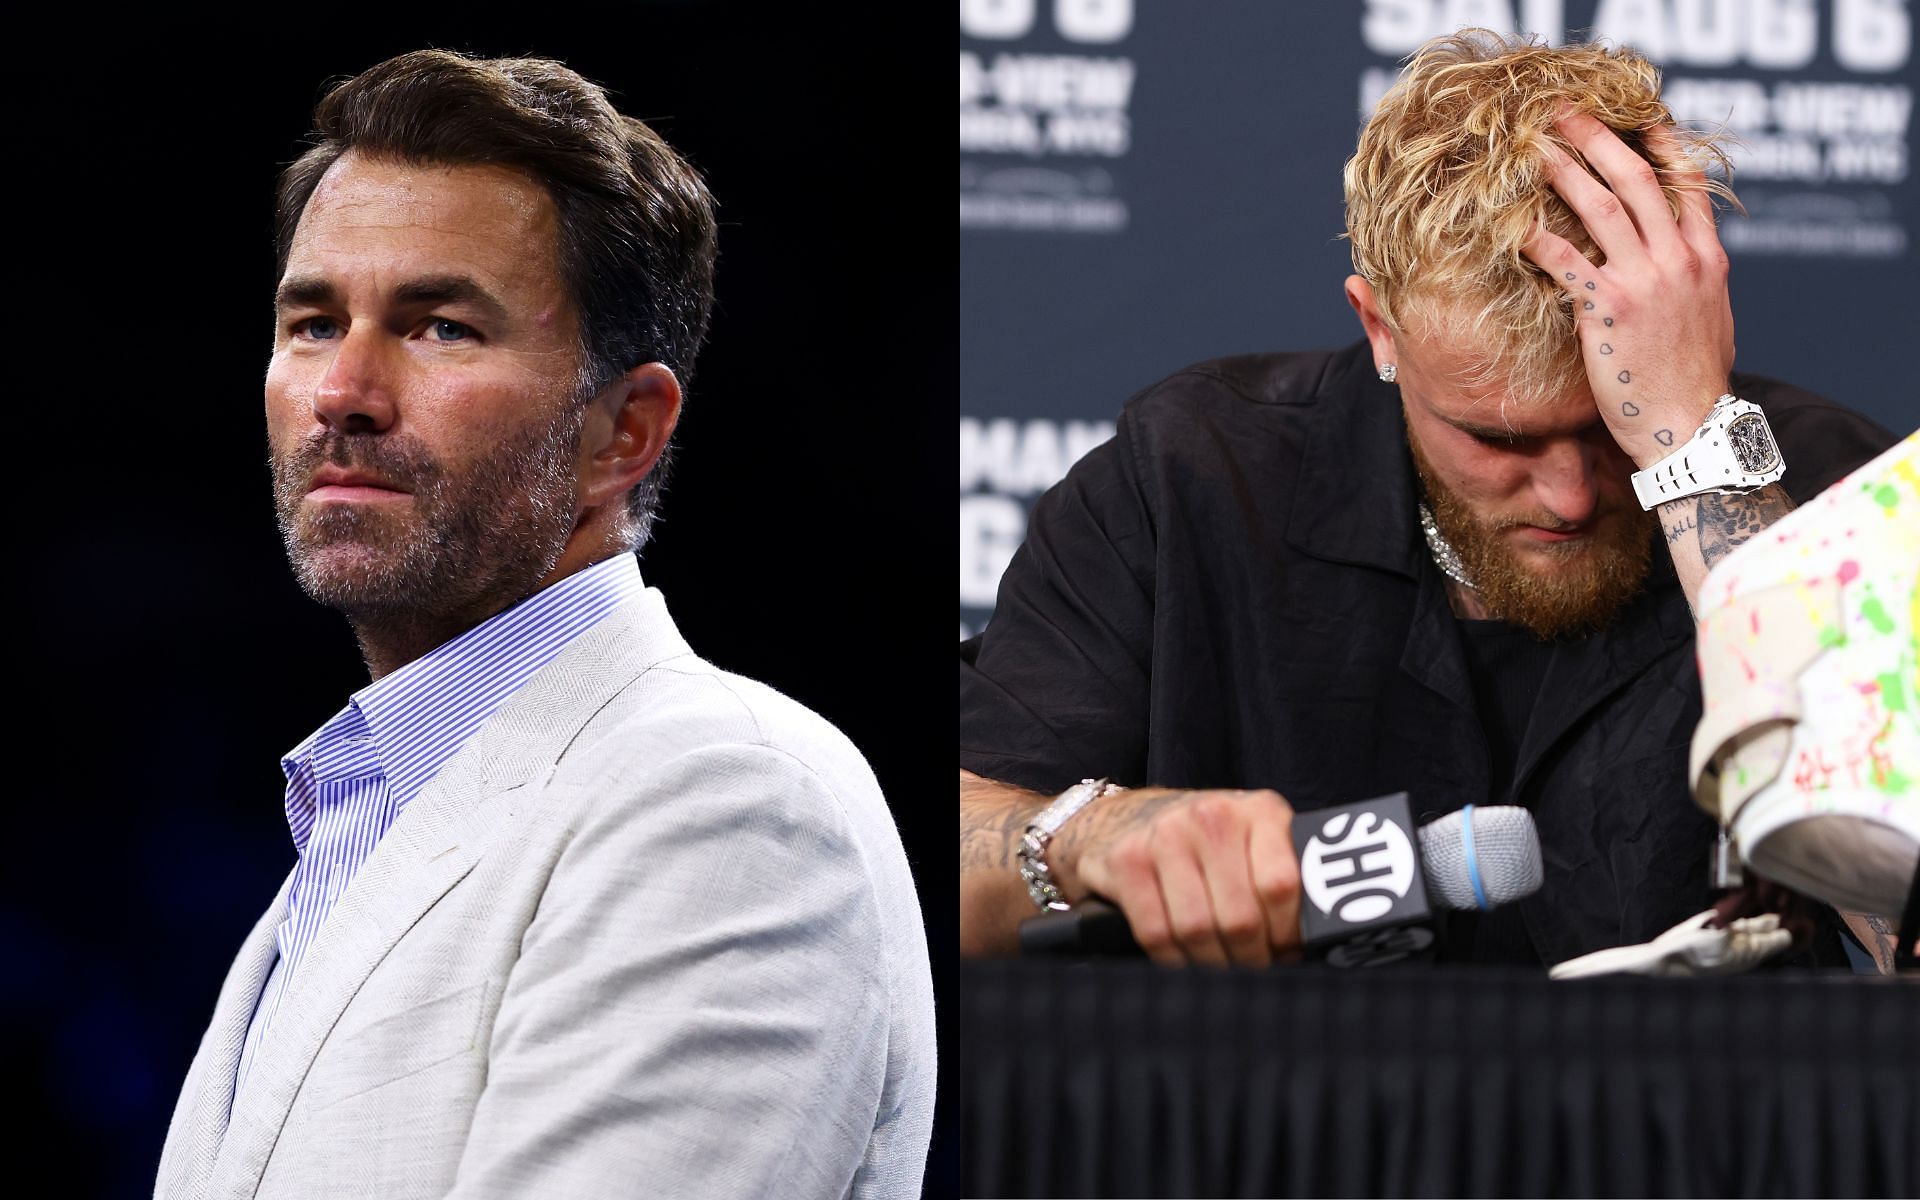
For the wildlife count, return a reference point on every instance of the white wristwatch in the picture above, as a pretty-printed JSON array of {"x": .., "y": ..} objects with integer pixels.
[{"x": 1734, "y": 451}]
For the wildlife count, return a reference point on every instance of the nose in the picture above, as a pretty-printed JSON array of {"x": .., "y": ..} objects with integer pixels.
[
  {"x": 1566, "y": 480},
  {"x": 356, "y": 393}
]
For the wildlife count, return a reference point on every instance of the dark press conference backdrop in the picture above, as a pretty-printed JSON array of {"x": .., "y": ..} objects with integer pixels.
[
  {"x": 1144, "y": 184},
  {"x": 165, "y": 656}
]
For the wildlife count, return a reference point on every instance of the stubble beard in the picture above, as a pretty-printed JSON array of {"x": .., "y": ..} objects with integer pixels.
[
  {"x": 1590, "y": 579},
  {"x": 468, "y": 541}
]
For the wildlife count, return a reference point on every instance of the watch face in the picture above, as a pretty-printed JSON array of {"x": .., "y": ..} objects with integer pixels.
[{"x": 1752, "y": 444}]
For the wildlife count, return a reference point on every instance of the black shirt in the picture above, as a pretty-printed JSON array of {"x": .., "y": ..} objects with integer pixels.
[
  {"x": 1506, "y": 665},
  {"x": 1233, "y": 592}
]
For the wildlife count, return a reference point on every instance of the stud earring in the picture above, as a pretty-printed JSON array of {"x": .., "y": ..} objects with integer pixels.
[{"x": 1389, "y": 373}]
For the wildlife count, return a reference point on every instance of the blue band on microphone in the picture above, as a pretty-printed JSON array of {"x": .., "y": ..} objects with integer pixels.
[{"x": 1473, "y": 867}]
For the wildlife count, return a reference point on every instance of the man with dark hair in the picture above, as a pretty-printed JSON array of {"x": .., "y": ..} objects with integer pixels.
[{"x": 575, "y": 913}]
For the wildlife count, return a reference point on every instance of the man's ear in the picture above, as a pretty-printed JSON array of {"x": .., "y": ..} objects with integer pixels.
[
  {"x": 1367, "y": 308},
  {"x": 626, "y": 431}
]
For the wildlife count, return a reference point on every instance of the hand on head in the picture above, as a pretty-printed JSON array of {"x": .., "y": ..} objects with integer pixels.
[{"x": 1655, "y": 321}]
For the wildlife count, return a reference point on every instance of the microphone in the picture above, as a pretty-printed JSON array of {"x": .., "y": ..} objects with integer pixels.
[{"x": 1366, "y": 897}]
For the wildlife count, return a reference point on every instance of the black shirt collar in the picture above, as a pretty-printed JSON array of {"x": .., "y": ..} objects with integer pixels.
[{"x": 1356, "y": 497}]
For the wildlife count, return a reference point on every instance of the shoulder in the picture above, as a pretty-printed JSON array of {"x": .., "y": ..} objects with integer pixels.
[
  {"x": 1218, "y": 445},
  {"x": 1274, "y": 387},
  {"x": 687, "y": 755},
  {"x": 703, "y": 811},
  {"x": 685, "y": 707},
  {"x": 1255, "y": 410},
  {"x": 693, "y": 764},
  {"x": 630, "y": 705}
]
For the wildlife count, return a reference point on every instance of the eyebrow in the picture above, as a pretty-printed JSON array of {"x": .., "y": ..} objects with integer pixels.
[
  {"x": 314, "y": 290},
  {"x": 1503, "y": 434},
  {"x": 1500, "y": 433}
]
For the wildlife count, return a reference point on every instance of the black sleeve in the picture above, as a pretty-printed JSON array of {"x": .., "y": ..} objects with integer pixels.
[{"x": 1055, "y": 688}]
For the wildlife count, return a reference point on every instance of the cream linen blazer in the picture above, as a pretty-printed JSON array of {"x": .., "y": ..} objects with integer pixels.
[{"x": 651, "y": 932}]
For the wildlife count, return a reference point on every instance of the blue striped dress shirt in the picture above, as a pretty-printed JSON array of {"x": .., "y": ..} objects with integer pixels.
[{"x": 349, "y": 780}]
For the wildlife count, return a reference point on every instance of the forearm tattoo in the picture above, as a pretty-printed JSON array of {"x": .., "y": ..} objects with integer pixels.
[
  {"x": 1726, "y": 522},
  {"x": 990, "y": 829},
  {"x": 1883, "y": 945},
  {"x": 989, "y": 834}
]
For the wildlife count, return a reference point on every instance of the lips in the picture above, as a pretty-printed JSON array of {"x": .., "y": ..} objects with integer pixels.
[
  {"x": 341, "y": 483},
  {"x": 1543, "y": 534},
  {"x": 345, "y": 477}
]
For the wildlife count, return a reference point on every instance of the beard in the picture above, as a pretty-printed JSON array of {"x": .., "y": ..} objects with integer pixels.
[
  {"x": 1561, "y": 589},
  {"x": 474, "y": 538}
]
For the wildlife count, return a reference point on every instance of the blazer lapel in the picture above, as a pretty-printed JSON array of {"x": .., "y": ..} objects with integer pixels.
[
  {"x": 206, "y": 1098},
  {"x": 430, "y": 847}
]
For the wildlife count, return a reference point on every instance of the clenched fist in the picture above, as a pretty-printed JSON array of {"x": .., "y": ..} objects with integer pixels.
[{"x": 1202, "y": 876}]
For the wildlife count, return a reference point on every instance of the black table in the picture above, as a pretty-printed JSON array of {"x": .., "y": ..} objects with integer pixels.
[{"x": 1118, "y": 1078}]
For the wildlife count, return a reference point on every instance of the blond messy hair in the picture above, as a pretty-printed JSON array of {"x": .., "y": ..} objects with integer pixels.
[{"x": 1451, "y": 177}]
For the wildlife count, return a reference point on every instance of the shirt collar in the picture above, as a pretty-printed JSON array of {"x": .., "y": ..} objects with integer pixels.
[
  {"x": 1355, "y": 500},
  {"x": 406, "y": 725}
]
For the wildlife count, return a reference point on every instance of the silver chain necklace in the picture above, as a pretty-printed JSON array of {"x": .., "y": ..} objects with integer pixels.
[{"x": 1444, "y": 555}]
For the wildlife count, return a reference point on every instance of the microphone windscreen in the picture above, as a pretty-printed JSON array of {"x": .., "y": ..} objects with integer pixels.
[{"x": 1506, "y": 850}]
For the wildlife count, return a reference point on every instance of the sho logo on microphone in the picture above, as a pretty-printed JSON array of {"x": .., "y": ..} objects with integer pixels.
[
  {"x": 1360, "y": 873},
  {"x": 1357, "y": 866}
]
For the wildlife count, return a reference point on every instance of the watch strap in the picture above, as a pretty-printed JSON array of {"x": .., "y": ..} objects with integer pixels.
[{"x": 1732, "y": 452}]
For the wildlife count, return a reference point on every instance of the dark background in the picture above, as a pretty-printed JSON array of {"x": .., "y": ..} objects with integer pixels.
[{"x": 169, "y": 658}]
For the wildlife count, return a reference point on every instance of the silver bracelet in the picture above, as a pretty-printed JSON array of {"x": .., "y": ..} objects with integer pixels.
[{"x": 1034, "y": 871}]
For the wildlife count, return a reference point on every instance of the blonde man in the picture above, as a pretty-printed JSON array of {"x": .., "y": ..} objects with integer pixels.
[{"x": 1421, "y": 563}]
